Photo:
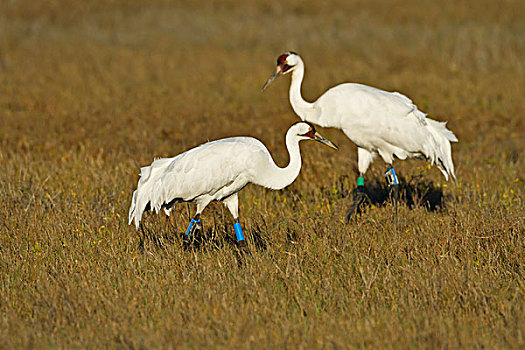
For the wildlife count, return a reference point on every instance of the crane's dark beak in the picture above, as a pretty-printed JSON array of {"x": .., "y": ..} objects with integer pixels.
[
  {"x": 319, "y": 138},
  {"x": 278, "y": 71}
]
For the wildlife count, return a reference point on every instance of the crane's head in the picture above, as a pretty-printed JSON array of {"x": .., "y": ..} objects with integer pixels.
[
  {"x": 285, "y": 64},
  {"x": 306, "y": 131}
]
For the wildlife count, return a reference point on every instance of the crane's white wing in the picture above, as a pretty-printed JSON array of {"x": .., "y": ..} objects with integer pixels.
[
  {"x": 367, "y": 105},
  {"x": 209, "y": 168},
  {"x": 388, "y": 123}
]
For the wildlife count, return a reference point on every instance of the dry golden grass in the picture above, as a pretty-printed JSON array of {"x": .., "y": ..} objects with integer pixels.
[{"x": 92, "y": 90}]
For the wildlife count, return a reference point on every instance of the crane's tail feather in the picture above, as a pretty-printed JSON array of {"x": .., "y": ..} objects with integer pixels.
[
  {"x": 148, "y": 192},
  {"x": 132, "y": 207},
  {"x": 441, "y": 152}
]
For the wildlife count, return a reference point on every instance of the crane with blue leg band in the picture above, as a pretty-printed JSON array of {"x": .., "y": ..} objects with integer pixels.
[
  {"x": 379, "y": 122},
  {"x": 217, "y": 171}
]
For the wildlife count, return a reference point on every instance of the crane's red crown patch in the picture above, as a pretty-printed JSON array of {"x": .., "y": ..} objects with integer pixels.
[{"x": 282, "y": 59}]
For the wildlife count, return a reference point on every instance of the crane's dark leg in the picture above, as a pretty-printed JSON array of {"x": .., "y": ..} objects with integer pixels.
[
  {"x": 195, "y": 226},
  {"x": 359, "y": 197},
  {"x": 141, "y": 237},
  {"x": 364, "y": 159},
  {"x": 393, "y": 182},
  {"x": 240, "y": 236}
]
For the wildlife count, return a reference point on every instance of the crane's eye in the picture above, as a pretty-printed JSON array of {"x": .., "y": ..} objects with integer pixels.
[
  {"x": 310, "y": 134},
  {"x": 286, "y": 68}
]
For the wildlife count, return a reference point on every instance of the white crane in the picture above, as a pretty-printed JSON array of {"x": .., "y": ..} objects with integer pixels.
[
  {"x": 377, "y": 121},
  {"x": 217, "y": 171}
]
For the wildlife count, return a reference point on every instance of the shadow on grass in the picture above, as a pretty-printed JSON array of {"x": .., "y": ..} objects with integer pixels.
[
  {"x": 414, "y": 192},
  {"x": 215, "y": 237}
]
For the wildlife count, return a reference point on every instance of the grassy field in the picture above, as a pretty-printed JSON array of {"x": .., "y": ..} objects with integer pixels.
[{"x": 92, "y": 90}]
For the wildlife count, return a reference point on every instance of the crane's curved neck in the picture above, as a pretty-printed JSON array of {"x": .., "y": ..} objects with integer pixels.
[
  {"x": 301, "y": 107},
  {"x": 278, "y": 178}
]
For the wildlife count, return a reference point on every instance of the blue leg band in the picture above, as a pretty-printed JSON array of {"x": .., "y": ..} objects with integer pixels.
[
  {"x": 391, "y": 177},
  {"x": 192, "y": 222},
  {"x": 238, "y": 231}
]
